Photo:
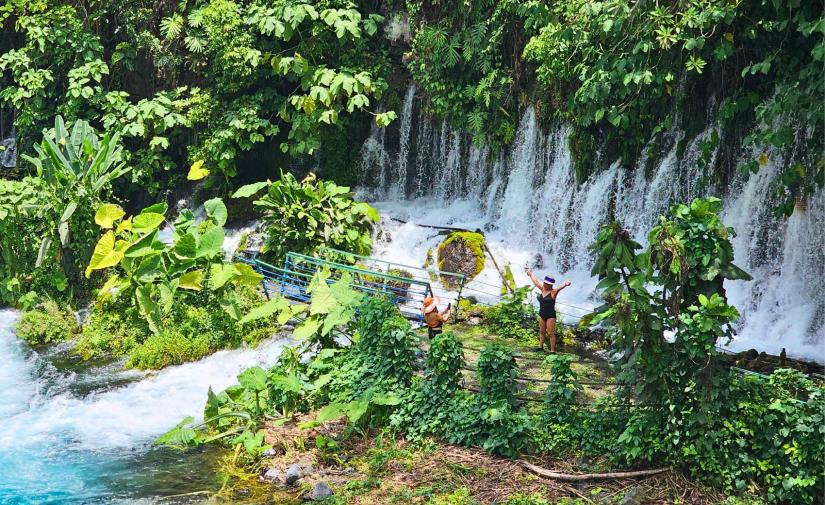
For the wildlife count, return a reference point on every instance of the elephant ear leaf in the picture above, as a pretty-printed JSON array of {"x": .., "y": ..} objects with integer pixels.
[
  {"x": 253, "y": 378},
  {"x": 220, "y": 274},
  {"x": 210, "y": 243},
  {"x": 197, "y": 172},
  {"x": 108, "y": 214},
  {"x": 216, "y": 209},
  {"x": 250, "y": 189},
  {"x": 192, "y": 280},
  {"x": 105, "y": 255},
  {"x": 146, "y": 222},
  {"x": 182, "y": 435}
]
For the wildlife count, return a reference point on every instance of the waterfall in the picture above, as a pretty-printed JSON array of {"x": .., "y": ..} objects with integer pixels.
[{"x": 534, "y": 213}]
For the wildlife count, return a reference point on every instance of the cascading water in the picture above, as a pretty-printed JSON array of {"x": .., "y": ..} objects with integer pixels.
[
  {"x": 93, "y": 444},
  {"x": 534, "y": 213}
]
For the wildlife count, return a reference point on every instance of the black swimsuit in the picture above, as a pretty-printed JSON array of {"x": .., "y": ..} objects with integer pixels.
[{"x": 547, "y": 307}]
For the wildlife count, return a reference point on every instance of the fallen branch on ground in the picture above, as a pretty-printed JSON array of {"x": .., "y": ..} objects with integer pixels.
[{"x": 572, "y": 477}]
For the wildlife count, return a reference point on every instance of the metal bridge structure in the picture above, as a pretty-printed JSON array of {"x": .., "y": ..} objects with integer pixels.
[{"x": 405, "y": 285}]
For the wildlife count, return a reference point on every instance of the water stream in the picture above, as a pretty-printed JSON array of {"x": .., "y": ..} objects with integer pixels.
[
  {"x": 80, "y": 433},
  {"x": 533, "y": 213}
]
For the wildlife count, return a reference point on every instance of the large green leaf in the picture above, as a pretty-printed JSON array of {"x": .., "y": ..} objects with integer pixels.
[
  {"x": 249, "y": 189},
  {"x": 323, "y": 300},
  {"x": 306, "y": 329},
  {"x": 192, "y": 280},
  {"x": 108, "y": 214},
  {"x": 104, "y": 255},
  {"x": 247, "y": 275},
  {"x": 216, "y": 209},
  {"x": 146, "y": 245},
  {"x": 186, "y": 246},
  {"x": 253, "y": 378},
  {"x": 45, "y": 244},
  {"x": 220, "y": 274},
  {"x": 289, "y": 383},
  {"x": 330, "y": 412},
  {"x": 230, "y": 305},
  {"x": 146, "y": 222},
  {"x": 182, "y": 435},
  {"x": 149, "y": 269},
  {"x": 210, "y": 243},
  {"x": 267, "y": 309},
  {"x": 166, "y": 292},
  {"x": 148, "y": 308}
]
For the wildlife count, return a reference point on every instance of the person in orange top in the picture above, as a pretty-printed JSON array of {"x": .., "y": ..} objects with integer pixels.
[{"x": 433, "y": 318}]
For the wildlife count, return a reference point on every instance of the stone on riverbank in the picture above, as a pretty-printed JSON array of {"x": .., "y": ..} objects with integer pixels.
[{"x": 320, "y": 491}]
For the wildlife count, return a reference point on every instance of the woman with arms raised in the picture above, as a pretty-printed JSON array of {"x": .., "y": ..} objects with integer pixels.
[{"x": 547, "y": 308}]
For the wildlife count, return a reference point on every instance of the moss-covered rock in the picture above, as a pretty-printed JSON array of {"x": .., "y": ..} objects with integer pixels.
[
  {"x": 461, "y": 252},
  {"x": 46, "y": 324}
]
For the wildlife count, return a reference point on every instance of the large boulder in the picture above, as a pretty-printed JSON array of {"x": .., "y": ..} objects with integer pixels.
[{"x": 461, "y": 252}]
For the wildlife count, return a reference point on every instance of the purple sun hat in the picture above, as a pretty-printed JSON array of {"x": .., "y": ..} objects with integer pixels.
[{"x": 549, "y": 280}]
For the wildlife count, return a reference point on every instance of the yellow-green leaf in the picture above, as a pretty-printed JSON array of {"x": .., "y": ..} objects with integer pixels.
[
  {"x": 220, "y": 274},
  {"x": 125, "y": 225},
  {"x": 146, "y": 222},
  {"x": 197, "y": 172},
  {"x": 105, "y": 255},
  {"x": 108, "y": 214},
  {"x": 247, "y": 275},
  {"x": 192, "y": 280}
]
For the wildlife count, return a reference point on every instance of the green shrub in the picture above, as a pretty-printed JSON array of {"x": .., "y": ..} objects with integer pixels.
[
  {"x": 512, "y": 317},
  {"x": 489, "y": 419},
  {"x": 112, "y": 329},
  {"x": 303, "y": 216},
  {"x": 195, "y": 326},
  {"x": 385, "y": 344},
  {"x": 170, "y": 347},
  {"x": 497, "y": 373},
  {"x": 46, "y": 324},
  {"x": 427, "y": 405}
]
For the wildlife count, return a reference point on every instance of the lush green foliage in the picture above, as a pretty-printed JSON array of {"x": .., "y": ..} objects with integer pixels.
[
  {"x": 680, "y": 273},
  {"x": 152, "y": 272},
  {"x": 688, "y": 411},
  {"x": 427, "y": 407},
  {"x": 512, "y": 317},
  {"x": 196, "y": 325},
  {"x": 741, "y": 433},
  {"x": 47, "y": 323},
  {"x": 54, "y": 209},
  {"x": 490, "y": 418},
  {"x": 303, "y": 216},
  {"x": 223, "y": 77},
  {"x": 625, "y": 72}
]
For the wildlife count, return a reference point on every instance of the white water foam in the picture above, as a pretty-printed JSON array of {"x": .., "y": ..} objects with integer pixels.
[{"x": 134, "y": 414}]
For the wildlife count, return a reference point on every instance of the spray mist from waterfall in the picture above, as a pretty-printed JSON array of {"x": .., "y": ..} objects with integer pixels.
[{"x": 533, "y": 213}]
